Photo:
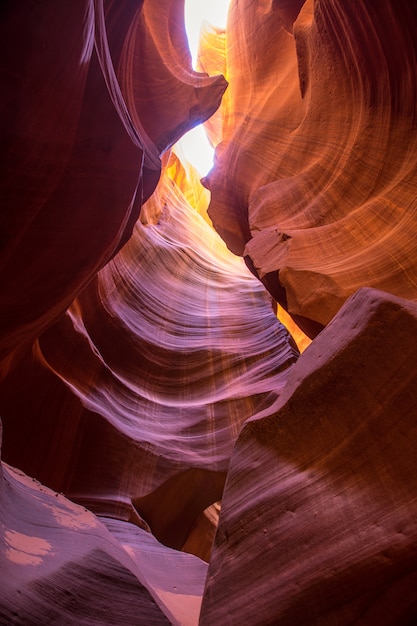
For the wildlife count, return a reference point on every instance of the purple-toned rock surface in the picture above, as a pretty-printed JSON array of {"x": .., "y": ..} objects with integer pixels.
[
  {"x": 60, "y": 564},
  {"x": 318, "y": 521},
  {"x": 142, "y": 366},
  {"x": 84, "y": 119}
]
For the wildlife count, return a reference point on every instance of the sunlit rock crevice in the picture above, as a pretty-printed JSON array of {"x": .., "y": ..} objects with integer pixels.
[
  {"x": 168, "y": 455},
  {"x": 84, "y": 119}
]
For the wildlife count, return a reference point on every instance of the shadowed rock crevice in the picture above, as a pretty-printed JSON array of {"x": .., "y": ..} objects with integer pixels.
[{"x": 173, "y": 509}]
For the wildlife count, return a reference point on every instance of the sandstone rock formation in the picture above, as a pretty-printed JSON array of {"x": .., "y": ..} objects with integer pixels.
[
  {"x": 145, "y": 380},
  {"x": 326, "y": 531},
  {"x": 84, "y": 119},
  {"x": 314, "y": 180},
  {"x": 173, "y": 332},
  {"x": 60, "y": 564}
]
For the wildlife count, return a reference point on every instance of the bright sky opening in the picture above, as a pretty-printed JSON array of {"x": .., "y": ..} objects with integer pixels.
[
  {"x": 198, "y": 11},
  {"x": 195, "y": 145}
]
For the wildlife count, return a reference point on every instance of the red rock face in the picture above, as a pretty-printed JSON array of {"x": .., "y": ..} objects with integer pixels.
[
  {"x": 173, "y": 332},
  {"x": 315, "y": 178},
  {"x": 81, "y": 145},
  {"x": 326, "y": 530},
  {"x": 144, "y": 374}
]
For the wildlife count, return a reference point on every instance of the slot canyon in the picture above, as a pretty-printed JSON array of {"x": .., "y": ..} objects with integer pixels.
[{"x": 208, "y": 390}]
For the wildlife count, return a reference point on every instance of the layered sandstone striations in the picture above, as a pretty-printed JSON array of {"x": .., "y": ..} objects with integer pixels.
[
  {"x": 60, "y": 564},
  {"x": 131, "y": 403},
  {"x": 326, "y": 530},
  {"x": 85, "y": 117},
  {"x": 143, "y": 365},
  {"x": 315, "y": 179}
]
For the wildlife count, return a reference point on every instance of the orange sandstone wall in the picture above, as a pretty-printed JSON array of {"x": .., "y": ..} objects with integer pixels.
[
  {"x": 315, "y": 179},
  {"x": 144, "y": 373}
]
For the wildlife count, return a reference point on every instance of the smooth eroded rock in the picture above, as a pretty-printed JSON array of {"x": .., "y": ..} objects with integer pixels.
[
  {"x": 61, "y": 564},
  {"x": 318, "y": 521},
  {"x": 315, "y": 177}
]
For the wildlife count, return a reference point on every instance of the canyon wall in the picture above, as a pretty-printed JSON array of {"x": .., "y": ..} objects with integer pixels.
[
  {"x": 85, "y": 119},
  {"x": 165, "y": 446},
  {"x": 314, "y": 181}
]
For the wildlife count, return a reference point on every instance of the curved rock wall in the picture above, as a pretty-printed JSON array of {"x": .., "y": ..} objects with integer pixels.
[
  {"x": 314, "y": 181},
  {"x": 142, "y": 365},
  {"x": 131, "y": 403},
  {"x": 92, "y": 95},
  {"x": 61, "y": 564},
  {"x": 326, "y": 530}
]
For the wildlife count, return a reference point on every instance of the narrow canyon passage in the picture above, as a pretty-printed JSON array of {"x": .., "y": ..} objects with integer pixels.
[{"x": 171, "y": 452}]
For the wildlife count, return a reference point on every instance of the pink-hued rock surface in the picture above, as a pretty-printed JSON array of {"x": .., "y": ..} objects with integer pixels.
[
  {"x": 150, "y": 399},
  {"x": 131, "y": 403},
  {"x": 60, "y": 564},
  {"x": 318, "y": 521}
]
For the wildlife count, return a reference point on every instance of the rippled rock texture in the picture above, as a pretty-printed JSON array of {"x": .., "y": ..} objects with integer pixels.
[
  {"x": 326, "y": 531},
  {"x": 61, "y": 564},
  {"x": 154, "y": 367},
  {"x": 130, "y": 403},
  {"x": 144, "y": 374},
  {"x": 85, "y": 117},
  {"x": 315, "y": 179}
]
